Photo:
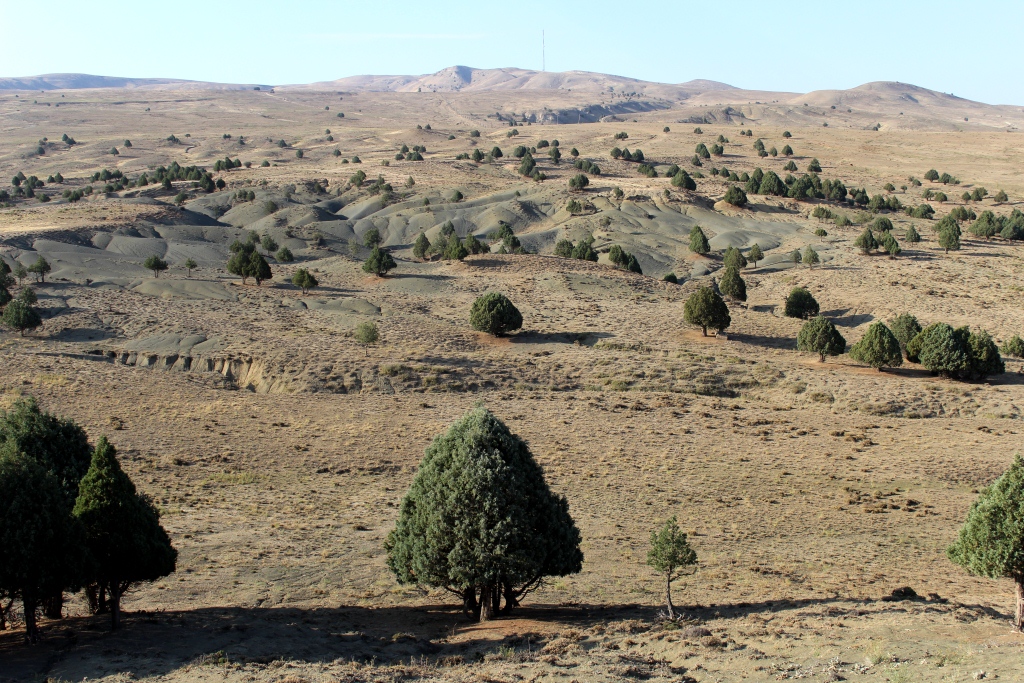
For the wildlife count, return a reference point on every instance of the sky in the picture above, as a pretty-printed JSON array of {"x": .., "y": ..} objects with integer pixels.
[{"x": 970, "y": 49}]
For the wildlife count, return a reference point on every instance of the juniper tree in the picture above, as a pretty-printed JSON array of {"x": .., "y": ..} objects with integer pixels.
[
  {"x": 473, "y": 245},
  {"x": 480, "y": 521},
  {"x": 156, "y": 264},
  {"x": 372, "y": 238},
  {"x": 735, "y": 196},
  {"x": 905, "y": 327},
  {"x": 819, "y": 335},
  {"x": 866, "y": 242},
  {"x": 367, "y": 334},
  {"x": 683, "y": 181},
  {"x": 190, "y": 265},
  {"x": 755, "y": 254},
  {"x": 40, "y": 268},
  {"x": 732, "y": 284},
  {"x": 670, "y": 277},
  {"x": 912, "y": 235},
  {"x": 991, "y": 541},
  {"x": 284, "y": 255},
  {"x": 771, "y": 184},
  {"x": 42, "y": 555},
  {"x": 699, "y": 241},
  {"x": 20, "y": 316},
  {"x": 495, "y": 314},
  {"x": 563, "y": 248},
  {"x": 269, "y": 244},
  {"x": 259, "y": 269},
  {"x": 878, "y": 348},
  {"x": 121, "y": 529},
  {"x": 379, "y": 262},
  {"x": 949, "y": 238},
  {"x": 942, "y": 349},
  {"x": 800, "y": 304},
  {"x": 1014, "y": 346},
  {"x": 890, "y": 244},
  {"x": 810, "y": 256},
  {"x": 796, "y": 256},
  {"x": 421, "y": 246},
  {"x": 304, "y": 280},
  {"x": 705, "y": 308},
  {"x": 733, "y": 257},
  {"x": 672, "y": 556}
]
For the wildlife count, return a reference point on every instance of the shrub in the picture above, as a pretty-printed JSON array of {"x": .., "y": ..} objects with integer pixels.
[
  {"x": 20, "y": 316},
  {"x": 732, "y": 284},
  {"x": 800, "y": 304},
  {"x": 931, "y": 175},
  {"x": 819, "y": 335},
  {"x": 787, "y": 150},
  {"x": 735, "y": 196},
  {"x": 495, "y": 314},
  {"x": 878, "y": 348},
  {"x": 890, "y": 245},
  {"x": 670, "y": 277},
  {"x": 771, "y": 184},
  {"x": 733, "y": 257},
  {"x": 456, "y": 197},
  {"x": 990, "y": 541},
  {"x": 1014, "y": 346},
  {"x": 563, "y": 248},
  {"x": 366, "y": 334},
  {"x": 883, "y": 224},
  {"x": 912, "y": 235},
  {"x": 284, "y": 255},
  {"x": 814, "y": 166},
  {"x": 478, "y": 488}
]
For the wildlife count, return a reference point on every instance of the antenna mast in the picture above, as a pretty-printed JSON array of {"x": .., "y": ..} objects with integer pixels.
[{"x": 543, "y": 65}]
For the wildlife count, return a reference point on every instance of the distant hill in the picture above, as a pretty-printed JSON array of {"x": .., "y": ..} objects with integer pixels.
[
  {"x": 595, "y": 96},
  {"x": 87, "y": 81}
]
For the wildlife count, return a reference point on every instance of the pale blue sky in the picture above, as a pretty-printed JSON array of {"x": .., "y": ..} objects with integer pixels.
[{"x": 972, "y": 49}]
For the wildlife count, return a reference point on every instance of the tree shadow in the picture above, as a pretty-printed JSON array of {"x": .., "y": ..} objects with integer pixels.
[
  {"x": 580, "y": 338},
  {"x": 840, "y": 318}
]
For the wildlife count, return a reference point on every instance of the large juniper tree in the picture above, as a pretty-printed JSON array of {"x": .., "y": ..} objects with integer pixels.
[
  {"x": 121, "y": 530},
  {"x": 878, "y": 348},
  {"x": 705, "y": 308},
  {"x": 991, "y": 541},
  {"x": 480, "y": 521},
  {"x": 819, "y": 335}
]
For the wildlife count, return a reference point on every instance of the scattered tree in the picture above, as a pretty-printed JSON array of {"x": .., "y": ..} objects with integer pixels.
[
  {"x": 735, "y": 196},
  {"x": 421, "y": 247},
  {"x": 705, "y": 308},
  {"x": 304, "y": 280},
  {"x": 156, "y": 264},
  {"x": 1014, "y": 347},
  {"x": 755, "y": 254},
  {"x": 372, "y": 238},
  {"x": 866, "y": 242},
  {"x": 699, "y": 241},
  {"x": 367, "y": 334},
  {"x": 379, "y": 262},
  {"x": 801, "y": 304},
  {"x": 121, "y": 530},
  {"x": 878, "y": 348},
  {"x": 495, "y": 314},
  {"x": 40, "y": 268},
  {"x": 478, "y": 489},
  {"x": 905, "y": 327},
  {"x": 819, "y": 335},
  {"x": 672, "y": 556},
  {"x": 991, "y": 540},
  {"x": 190, "y": 265},
  {"x": 732, "y": 284},
  {"x": 810, "y": 256},
  {"x": 284, "y": 255},
  {"x": 20, "y": 316}
]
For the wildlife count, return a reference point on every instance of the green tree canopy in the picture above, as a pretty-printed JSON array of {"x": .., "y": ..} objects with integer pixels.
[
  {"x": 733, "y": 257},
  {"x": 40, "y": 268},
  {"x": 810, "y": 256},
  {"x": 800, "y": 304},
  {"x": 671, "y": 556},
  {"x": 421, "y": 247},
  {"x": 495, "y": 314},
  {"x": 379, "y": 262},
  {"x": 190, "y": 265},
  {"x": 905, "y": 327},
  {"x": 20, "y": 316},
  {"x": 878, "y": 348},
  {"x": 912, "y": 237},
  {"x": 735, "y": 196},
  {"x": 732, "y": 284},
  {"x": 991, "y": 541},
  {"x": 304, "y": 280},
  {"x": 480, "y": 520},
  {"x": 705, "y": 308},
  {"x": 699, "y": 241},
  {"x": 866, "y": 242},
  {"x": 683, "y": 181},
  {"x": 121, "y": 530},
  {"x": 819, "y": 335},
  {"x": 1014, "y": 347},
  {"x": 755, "y": 254},
  {"x": 156, "y": 264},
  {"x": 42, "y": 554}
]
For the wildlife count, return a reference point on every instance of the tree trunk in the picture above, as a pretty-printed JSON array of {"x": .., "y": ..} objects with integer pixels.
[
  {"x": 31, "y": 628},
  {"x": 487, "y": 607},
  {"x": 53, "y": 606},
  {"x": 668, "y": 596},
  {"x": 704, "y": 330},
  {"x": 115, "y": 605},
  {"x": 1019, "y": 620},
  {"x": 470, "y": 605}
]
